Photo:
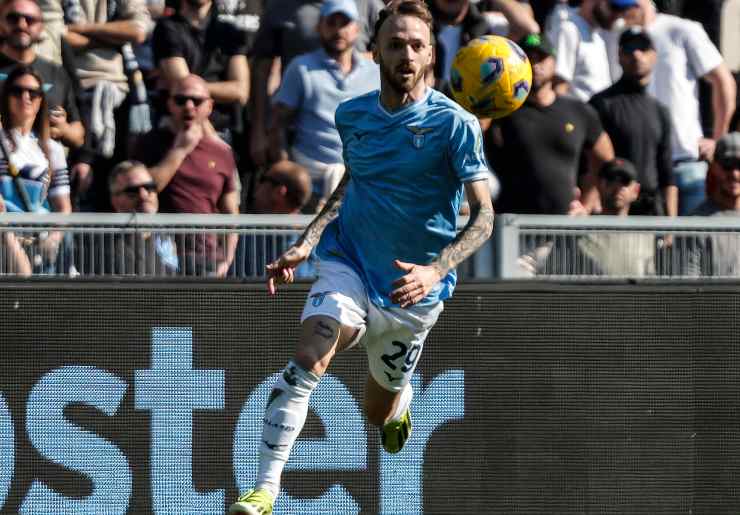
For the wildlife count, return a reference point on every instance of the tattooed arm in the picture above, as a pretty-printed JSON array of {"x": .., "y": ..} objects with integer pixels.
[
  {"x": 420, "y": 279},
  {"x": 282, "y": 270}
]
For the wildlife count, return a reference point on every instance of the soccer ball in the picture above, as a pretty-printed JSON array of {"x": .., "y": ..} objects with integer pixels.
[{"x": 491, "y": 77}]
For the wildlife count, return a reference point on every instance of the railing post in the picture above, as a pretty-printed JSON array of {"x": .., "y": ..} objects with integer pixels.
[{"x": 506, "y": 249}]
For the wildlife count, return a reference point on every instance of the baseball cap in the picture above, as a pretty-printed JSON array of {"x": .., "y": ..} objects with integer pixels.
[
  {"x": 637, "y": 37},
  {"x": 619, "y": 168},
  {"x": 727, "y": 151},
  {"x": 346, "y": 7},
  {"x": 537, "y": 42},
  {"x": 623, "y": 4}
]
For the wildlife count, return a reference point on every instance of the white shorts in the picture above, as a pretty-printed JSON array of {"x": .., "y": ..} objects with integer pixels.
[{"x": 393, "y": 338}]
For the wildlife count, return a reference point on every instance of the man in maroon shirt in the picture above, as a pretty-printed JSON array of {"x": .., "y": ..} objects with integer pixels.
[{"x": 195, "y": 172}]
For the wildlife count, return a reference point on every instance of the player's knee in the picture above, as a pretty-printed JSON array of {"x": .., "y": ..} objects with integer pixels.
[{"x": 318, "y": 344}]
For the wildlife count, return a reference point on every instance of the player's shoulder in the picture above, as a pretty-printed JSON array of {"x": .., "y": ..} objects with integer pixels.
[
  {"x": 442, "y": 105},
  {"x": 357, "y": 106}
]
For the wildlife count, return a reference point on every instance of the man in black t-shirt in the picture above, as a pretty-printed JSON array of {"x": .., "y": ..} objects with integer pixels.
[
  {"x": 640, "y": 126},
  {"x": 196, "y": 41},
  {"x": 537, "y": 149},
  {"x": 21, "y": 24}
]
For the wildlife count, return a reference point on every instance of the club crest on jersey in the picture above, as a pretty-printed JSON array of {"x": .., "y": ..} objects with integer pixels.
[{"x": 418, "y": 132}]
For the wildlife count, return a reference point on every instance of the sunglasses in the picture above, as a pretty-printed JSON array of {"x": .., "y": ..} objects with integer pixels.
[
  {"x": 182, "y": 100},
  {"x": 134, "y": 189},
  {"x": 14, "y": 18},
  {"x": 33, "y": 93}
]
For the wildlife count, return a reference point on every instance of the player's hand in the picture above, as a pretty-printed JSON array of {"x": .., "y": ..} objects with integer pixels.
[
  {"x": 415, "y": 284},
  {"x": 282, "y": 270}
]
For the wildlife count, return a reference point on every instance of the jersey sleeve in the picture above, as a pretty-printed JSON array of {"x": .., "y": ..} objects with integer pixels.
[
  {"x": 166, "y": 41},
  {"x": 466, "y": 150}
]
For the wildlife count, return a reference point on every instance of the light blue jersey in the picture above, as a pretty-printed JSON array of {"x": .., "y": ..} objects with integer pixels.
[{"x": 407, "y": 173}]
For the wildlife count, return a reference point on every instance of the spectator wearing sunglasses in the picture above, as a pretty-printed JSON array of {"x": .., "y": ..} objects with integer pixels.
[
  {"x": 38, "y": 159},
  {"x": 195, "y": 172},
  {"x": 718, "y": 255},
  {"x": 133, "y": 190},
  {"x": 640, "y": 126},
  {"x": 627, "y": 254},
  {"x": 22, "y": 25}
]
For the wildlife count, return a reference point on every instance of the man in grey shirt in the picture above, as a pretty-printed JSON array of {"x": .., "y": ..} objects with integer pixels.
[{"x": 719, "y": 254}]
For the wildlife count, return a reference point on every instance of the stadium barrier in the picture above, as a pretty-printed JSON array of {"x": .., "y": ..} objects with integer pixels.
[
  {"x": 531, "y": 398},
  {"x": 546, "y": 247}
]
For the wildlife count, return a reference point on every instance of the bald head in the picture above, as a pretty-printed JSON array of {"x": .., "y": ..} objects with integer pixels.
[
  {"x": 189, "y": 102},
  {"x": 284, "y": 189}
]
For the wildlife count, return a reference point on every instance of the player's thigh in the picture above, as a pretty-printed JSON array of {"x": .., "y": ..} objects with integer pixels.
[
  {"x": 394, "y": 343},
  {"x": 333, "y": 317}
]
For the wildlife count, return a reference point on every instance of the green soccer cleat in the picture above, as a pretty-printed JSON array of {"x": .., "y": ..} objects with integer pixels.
[
  {"x": 254, "y": 502},
  {"x": 394, "y": 434}
]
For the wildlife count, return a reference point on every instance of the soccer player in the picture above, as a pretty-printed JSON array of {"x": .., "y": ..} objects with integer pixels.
[{"x": 387, "y": 244}]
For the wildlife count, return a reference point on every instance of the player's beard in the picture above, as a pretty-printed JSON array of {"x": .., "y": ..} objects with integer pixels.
[{"x": 398, "y": 85}]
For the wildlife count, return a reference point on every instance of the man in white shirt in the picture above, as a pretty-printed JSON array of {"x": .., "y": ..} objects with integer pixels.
[
  {"x": 580, "y": 37},
  {"x": 685, "y": 54}
]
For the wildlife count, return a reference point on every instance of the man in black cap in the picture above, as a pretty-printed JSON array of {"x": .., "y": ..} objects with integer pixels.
[
  {"x": 537, "y": 149},
  {"x": 640, "y": 126},
  {"x": 618, "y": 187}
]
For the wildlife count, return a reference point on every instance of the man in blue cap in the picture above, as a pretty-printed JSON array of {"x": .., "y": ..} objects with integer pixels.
[{"x": 313, "y": 86}]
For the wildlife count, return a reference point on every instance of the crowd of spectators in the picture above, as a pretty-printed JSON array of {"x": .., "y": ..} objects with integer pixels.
[{"x": 227, "y": 106}]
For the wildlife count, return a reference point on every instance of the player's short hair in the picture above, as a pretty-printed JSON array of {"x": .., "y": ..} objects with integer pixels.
[
  {"x": 294, "y": 177},
  {"x": 415, "y": 8},
  {"x": 121, "y": 169}
]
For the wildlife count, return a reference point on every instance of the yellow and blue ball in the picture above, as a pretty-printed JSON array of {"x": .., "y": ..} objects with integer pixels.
[{"x": 491, "y": 77}]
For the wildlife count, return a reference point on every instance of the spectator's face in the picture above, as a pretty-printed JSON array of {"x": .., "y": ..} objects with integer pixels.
[
  {"x": 729, "y": 178},
  {"x": 135, "y": 192},
  {"x": 21, "y": 24},
  {"x": 338, "y": 33},
  {"x": 25, "y": 100},
  {"x": 404, "y": 52},
  {"x": 637, "y": 59},
  {"x": 617, "y": 193},
  {"x": 189, "y": 103},
  {"x": 543, "y": 68}
]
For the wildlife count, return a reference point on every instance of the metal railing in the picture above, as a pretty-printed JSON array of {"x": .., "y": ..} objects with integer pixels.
[
  {"x": 102, "y": 244},
  {"x": 557, "y": 247},
  {"x": 564, "y": 247}
]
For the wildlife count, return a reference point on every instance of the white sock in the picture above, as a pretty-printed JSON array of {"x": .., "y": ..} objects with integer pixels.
[
  {"x": 403, "y": 403},
  {"x": 284, "y": 417}
]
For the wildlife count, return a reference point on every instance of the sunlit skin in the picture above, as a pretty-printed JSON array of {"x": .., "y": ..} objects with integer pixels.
[
  {"x": 404, "y": 53},
  {"x": 26, "y": 30},
  {"x": 184, "y": 117},
  {"x": 616, "y": 197},
  {"x": 637, "y": 64},
  {"x": 23, "y": 109},
  {"x": 338, "y": 34},
  {"x": 729, "y": 184},
  {"x": 143, "y": 201}
]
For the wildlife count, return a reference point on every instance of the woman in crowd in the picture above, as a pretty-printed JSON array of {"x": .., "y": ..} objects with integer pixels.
[{"x": 28, "y": 151}]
